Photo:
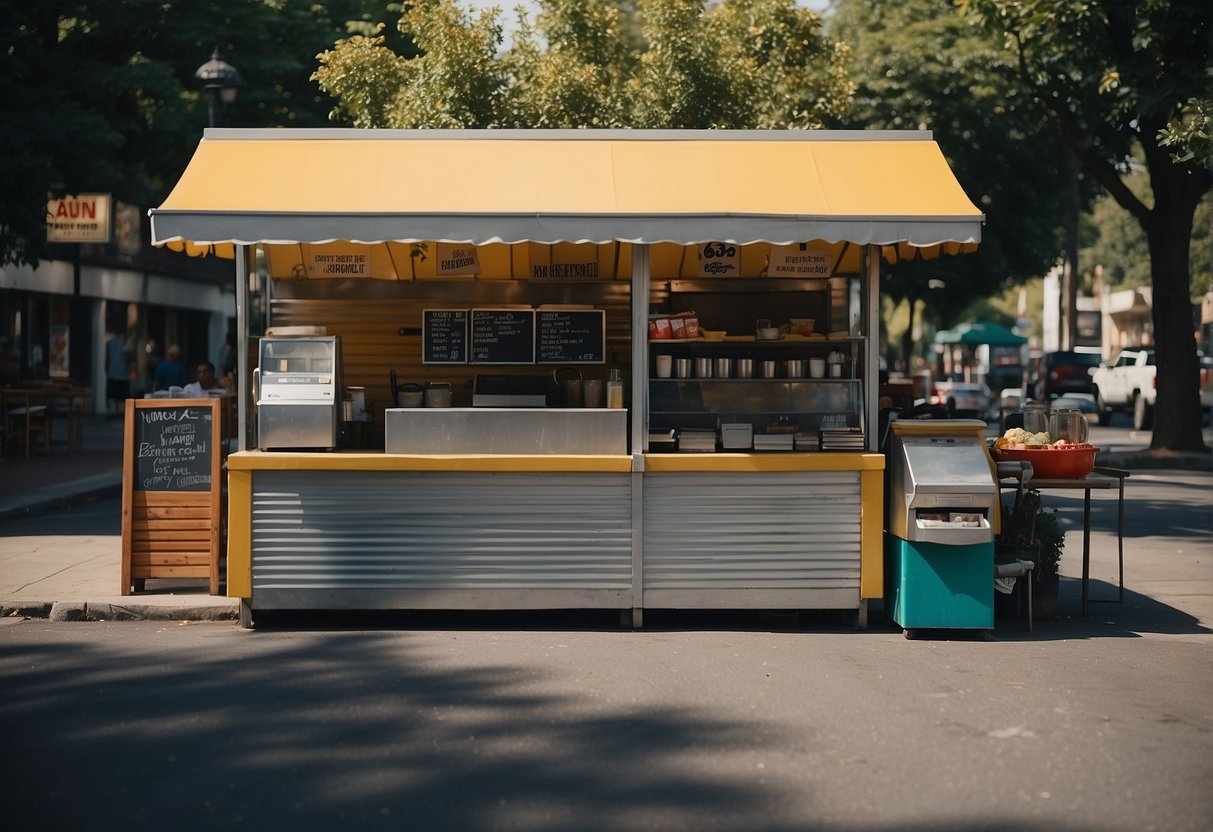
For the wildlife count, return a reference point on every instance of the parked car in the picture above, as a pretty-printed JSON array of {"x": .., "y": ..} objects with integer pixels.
[
  {"x": 964, "y": 399},
  {"x": 1127, "y": 384},
  {"x": 1076, "y": 401},
  {"x": 1065, "y": 371}
]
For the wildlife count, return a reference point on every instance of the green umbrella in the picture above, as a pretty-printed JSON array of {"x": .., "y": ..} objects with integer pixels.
[{"x": 980, "y": 333}]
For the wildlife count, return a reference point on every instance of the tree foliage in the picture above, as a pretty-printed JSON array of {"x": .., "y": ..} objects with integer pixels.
[
  {"x": 1119, "y": 77},
  {"x": 1001, "y": 148},
  {"x": 598, "y": 63},
  {"x": 99, "y": 95}
]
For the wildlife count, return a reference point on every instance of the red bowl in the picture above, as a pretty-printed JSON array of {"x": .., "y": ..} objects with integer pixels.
[{"x": 1072, "y": 462}]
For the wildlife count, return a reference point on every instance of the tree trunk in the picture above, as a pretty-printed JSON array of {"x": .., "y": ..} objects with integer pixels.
[{"x": 1177, "y": 415}]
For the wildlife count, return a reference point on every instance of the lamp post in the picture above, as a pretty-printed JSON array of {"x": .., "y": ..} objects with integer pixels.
[{"x": 220, "y": 79}]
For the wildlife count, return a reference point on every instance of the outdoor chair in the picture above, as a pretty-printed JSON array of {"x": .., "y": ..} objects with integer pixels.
[{"x": 26, "y": 419}]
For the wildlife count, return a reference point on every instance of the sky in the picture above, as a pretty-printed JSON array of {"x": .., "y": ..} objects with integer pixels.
[{"x": 507, "y": 7}]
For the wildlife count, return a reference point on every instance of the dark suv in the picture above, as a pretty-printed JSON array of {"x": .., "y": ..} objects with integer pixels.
[{"x": 1064, "y": 372}]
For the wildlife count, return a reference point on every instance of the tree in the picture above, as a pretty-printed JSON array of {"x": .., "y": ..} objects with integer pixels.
[
  {"x": 1000, "y": 146},
  {"x": 1115, "y": 77},
  {"x": 597, "y": 63},
  {"x": 99, "y": 95}
]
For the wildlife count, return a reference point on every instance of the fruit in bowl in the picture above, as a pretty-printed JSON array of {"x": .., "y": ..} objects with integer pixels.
[{"x": 1051, "y": 460}]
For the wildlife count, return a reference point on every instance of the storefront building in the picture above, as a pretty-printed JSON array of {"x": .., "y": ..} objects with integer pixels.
[
  {"x": 728, "y": 279},
  {"x": 55, "y": 319}
]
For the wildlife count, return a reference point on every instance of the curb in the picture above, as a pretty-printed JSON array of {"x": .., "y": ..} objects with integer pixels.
[
  {"x": 1157, "y": 460},
  {"x": 103, "y": 611},
  {"x": 66, "y": 499}
]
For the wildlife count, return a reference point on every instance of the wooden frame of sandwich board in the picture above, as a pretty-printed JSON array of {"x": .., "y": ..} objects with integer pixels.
[{"x": 171, "y": 491}]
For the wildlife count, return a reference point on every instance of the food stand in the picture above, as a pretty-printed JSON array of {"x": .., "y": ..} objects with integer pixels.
[{"x": 456, "y": 259}]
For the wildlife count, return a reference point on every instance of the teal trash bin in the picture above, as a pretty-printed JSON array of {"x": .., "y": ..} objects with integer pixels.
[{"x": 939, "y": 543}]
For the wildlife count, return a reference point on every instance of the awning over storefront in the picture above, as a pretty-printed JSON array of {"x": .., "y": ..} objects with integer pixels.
[{"x": 606, "y": 187}]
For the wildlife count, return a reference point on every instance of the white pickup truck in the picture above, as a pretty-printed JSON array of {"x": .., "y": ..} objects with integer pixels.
[{"x": 1127, "y": 384}]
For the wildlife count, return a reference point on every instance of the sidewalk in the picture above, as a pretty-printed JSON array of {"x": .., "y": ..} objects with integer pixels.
[{"x": 77, "y": 576}]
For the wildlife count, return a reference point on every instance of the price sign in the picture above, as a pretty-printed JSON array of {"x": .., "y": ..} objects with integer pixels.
[
  {"x": 444, "y": 336},
  {"x": 572, "y": 336},
  {"x": 503, "y": 336}
]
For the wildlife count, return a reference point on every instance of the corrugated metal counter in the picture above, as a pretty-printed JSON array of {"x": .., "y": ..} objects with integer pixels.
[
  {"x": 380, "y": 531},
  {"x": 763, "y": 531},
  {"x": 387, "y": 531}
]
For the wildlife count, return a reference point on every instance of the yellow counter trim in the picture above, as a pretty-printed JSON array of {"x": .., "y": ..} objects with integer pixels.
[
  {"x": 239, "y": 534},
  {"x": 497, "y": 463},
  {"x": 658, "y": 463},
  {"x": 871, "y": 534}
]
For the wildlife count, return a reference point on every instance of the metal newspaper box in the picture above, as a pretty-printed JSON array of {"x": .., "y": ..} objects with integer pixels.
[{"x": 939, "y": 544}]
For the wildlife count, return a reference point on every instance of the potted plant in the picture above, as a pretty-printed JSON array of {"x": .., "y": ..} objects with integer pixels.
[{"x": 1029, "y": 531}]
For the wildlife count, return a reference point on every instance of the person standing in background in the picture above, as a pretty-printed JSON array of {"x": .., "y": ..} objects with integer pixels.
[
  {"x": 170, "y": 372},
  {"x": 117, "y": 375}
]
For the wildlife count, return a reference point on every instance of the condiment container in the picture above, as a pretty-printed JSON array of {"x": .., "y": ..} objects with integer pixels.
[
  {"x": 437, "y": 394},
  {"x": 614, "y": 389},
  {"x": 592, "y": 387}
]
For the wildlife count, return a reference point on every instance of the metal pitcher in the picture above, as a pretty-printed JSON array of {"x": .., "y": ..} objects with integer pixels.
[{"x": 1069, "y": 424}]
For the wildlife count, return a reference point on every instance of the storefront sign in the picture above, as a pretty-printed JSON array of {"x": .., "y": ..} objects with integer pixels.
[
  {"x": 78, "y": 219},
  {"x": 719, "y": 260},
  {"x": 336, "y": 264},
  {"x": 799, "y": 260},
  {"x": 457, "y": 259},
  {"x": 563, "y": 263}
]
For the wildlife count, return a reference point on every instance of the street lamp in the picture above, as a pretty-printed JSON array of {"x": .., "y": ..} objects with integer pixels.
[{"x": 220, "y": 80}]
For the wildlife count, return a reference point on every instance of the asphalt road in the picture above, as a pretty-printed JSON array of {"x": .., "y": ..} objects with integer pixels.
[
  {"x": 561, "y": 722},
  {"x": 698, "y": 722}
]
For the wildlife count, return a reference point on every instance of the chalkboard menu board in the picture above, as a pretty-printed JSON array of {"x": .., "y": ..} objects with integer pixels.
[
  {"x": 444, "y": 336},
  {"x": 571, "y": 336},
  {"x": 173, "y": 448},
  {"x": 503, "y": 336}
]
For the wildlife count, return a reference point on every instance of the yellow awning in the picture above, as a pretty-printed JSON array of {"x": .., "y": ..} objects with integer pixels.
[{"x": 608, "y": 187}]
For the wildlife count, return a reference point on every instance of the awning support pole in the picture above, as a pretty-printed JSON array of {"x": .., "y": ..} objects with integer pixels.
[
  {"x": 870, "y": 302},
  {"x": 242, "y": 324}
]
